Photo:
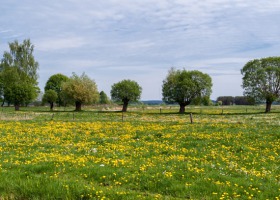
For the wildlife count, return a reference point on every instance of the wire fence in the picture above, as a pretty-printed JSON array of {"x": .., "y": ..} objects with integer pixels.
[{"x": 114, "y": 113}]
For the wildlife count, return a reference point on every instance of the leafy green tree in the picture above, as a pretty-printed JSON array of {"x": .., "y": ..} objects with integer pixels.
[
  {"x": 55, "y": 83},
  {"x": 183, "y": 87},
  {"x": 8, "y": 75},
  {"x": 205, "y": 101},
  {"x": 227, "y": 100},
  {"x": 18, "y": 74},
  {"x": 126, "y": 91},
  {"x": 50, "y": 96},
  {"x": 103, "y": 98},
  {"x": 261, "y": 80},
  {"x": 81, "y": 90},
  {"x": 243, "y": 100}
]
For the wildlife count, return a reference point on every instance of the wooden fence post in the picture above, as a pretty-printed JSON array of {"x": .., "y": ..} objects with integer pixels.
[{"x": 191, "y": 118}]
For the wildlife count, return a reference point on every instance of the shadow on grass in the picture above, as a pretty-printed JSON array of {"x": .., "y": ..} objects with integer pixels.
[
  {"x": 153, "y": 113},
  {"x": 216, "y": 114}
]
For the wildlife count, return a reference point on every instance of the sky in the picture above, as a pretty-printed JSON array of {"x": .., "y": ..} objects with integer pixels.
[{"x": 140, "y": 40}]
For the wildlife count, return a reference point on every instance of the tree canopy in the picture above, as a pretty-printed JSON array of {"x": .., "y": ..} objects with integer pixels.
[
  {"x": 50, "y": 96},
  {"x": 227, "y": 100},
  {"x": 126, "y": 91},
  {"x": 55, "y": 83},
  {"x": 182, "y": 87},
  {"x": 243, "y": 100},
  {"x": 261, "y": 80},
  {"x": 81, "y": 90},
  {"x": 18, "y": 74},
  {"x": 103, "y": 98}
]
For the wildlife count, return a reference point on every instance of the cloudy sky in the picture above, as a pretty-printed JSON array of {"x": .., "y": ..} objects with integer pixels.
[{"x": 112, "y": 40}]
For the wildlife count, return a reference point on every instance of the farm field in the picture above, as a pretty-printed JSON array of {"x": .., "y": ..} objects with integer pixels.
[{"x": 226, "y": 153}]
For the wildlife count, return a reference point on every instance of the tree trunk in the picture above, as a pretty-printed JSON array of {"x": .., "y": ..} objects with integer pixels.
[
  {"x": 78, "y": 106},
  {"x": 51, "y": 106},
  {"x": 16, "y": 107},
  {"x": 125, "y": 105},
  {"x": 268, "y": 106},
  {"x": 60, "y": 103},
  {"x": 182, "y": 108},
  {"x": 3, "y": 102}
]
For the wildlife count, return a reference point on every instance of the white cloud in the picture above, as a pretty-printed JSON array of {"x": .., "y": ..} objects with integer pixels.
[
  {"x": 116, "y": 39},
  {"x": 54, "y": 44},
  {"x": 138, "y": 44},
  {"x": 5, "y": 31}
]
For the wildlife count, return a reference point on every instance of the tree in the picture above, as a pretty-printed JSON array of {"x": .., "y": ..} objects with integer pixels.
[
  {"x": 183, "y": 87},
  {"x": 50, "y": 96},
  {"x": 18, "y": 74},
  {"x": 227, "y": 100},
  {"x": 261, "y": 80},
  {"x": 103, "y": 98},
  {"x": 243, "y": 100},
  {"x": 126, "y": 91},
  {"x": 205, "y": 101},
  {"x": 55, "y": 83},
  {"x": 81, "y": 90}
]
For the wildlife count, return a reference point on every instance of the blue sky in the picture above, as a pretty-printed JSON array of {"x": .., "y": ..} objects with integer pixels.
[{"x": 112, "y": 40}]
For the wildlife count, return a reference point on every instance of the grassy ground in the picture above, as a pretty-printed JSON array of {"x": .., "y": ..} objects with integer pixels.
[{"x": 147, "y": 153}]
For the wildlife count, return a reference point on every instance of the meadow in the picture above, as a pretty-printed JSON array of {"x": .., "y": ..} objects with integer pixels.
[{"x": 147, "y": 153}]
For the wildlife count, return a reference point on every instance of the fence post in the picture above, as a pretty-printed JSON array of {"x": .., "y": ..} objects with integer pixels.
[{"x": 191, "y": 118}]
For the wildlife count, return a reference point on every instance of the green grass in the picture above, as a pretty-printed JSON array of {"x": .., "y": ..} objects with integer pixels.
[{"x": 227, "y": 153}]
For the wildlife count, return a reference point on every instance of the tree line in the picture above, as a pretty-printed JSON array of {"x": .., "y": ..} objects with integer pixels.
[
  {"x": 238, "y": 100},
  {"x": 19, "y": 84}
]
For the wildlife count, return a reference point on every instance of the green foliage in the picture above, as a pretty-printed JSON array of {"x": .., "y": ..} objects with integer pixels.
[
  {"x": 205, "y": 100},
  {"x": 50, "y": 96},
  {"x": 21, "y": 93},
  {"x": 125, "y": 91},
  {"x": 183, "y": 87},
  {"x": 226, "y": 100},
  {"x": 261, "y": 79},
  {"x": 243, "y": 100},
  {"x": 19, "y": 74},
  {"x": 103, "y": 98},
  {"x": 238, "y": 100},
  {"x": 81, "y": 90},
  {"x": 55, "y": 83}
]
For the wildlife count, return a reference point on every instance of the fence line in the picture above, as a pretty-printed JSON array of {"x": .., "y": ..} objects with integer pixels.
[{"x": 8, "y": 114}]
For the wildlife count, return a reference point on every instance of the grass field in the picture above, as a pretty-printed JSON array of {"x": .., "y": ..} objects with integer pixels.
[{"x": 146, "y": 153}]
